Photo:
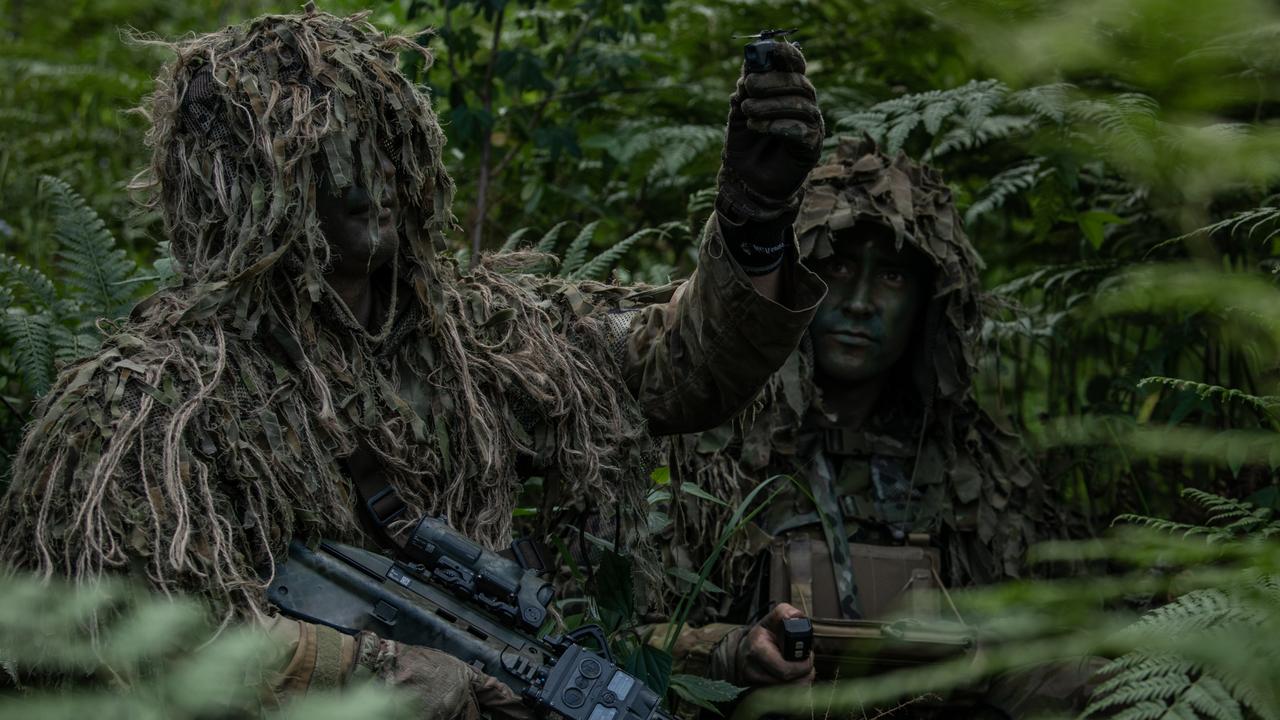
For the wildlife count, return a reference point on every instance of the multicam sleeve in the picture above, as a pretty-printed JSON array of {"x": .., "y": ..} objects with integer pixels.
[
  {"x": 311, "y": 656},
  {"x": 696, "y": 649},
  {"x": 697, "y": 360}
]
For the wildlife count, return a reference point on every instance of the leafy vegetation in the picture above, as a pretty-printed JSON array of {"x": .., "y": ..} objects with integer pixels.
[
  {"x": 1116, "y": 163},
  {"x": 110, "y": 650},
  {"x": 1206, "y": 653}
]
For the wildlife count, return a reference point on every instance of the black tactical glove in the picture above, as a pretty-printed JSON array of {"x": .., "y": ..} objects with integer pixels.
[{"x": 773, "y": 140}]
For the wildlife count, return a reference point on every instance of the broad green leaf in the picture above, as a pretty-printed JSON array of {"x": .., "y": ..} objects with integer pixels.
[
  {"x": 651, "y": 666},
  {"x": 704, "y": 692}
]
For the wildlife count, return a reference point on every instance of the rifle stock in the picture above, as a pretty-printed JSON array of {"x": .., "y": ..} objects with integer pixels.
[{"x": 350, "y": 590}]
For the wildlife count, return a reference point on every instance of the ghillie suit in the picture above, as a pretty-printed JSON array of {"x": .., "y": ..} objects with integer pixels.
[
  {"x": 927, "y": 492},
  {"x": 212, "y": 427},
  {"x": 967, "y": 487}
]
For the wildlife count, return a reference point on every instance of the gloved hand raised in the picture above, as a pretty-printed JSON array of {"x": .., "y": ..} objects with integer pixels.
[{"x": 774, "y": 139}]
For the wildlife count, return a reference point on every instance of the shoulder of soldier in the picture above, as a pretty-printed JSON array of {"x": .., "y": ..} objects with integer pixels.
[{"x": 106, "y": 395}]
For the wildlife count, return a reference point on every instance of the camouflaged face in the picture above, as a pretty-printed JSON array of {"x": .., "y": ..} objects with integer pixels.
[
  {"x": 860, "y": 185},
  {"x": 249, "y": 121}
]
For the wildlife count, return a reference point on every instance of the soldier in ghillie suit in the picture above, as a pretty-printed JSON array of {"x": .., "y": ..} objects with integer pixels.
[
  {"x": 318, "y": 338},
  {"x": 902, "y": 483}
]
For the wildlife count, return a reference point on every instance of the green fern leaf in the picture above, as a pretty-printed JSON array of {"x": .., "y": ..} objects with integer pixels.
[
  {"x": 1142, "y": 711},
  {"x": 513, "y": 240},
  {"x": 548, "y": 242},
  {"x": 1049, "y": 102},
  {"x": 679, "y": 145},
  {"x": 1210, "y": 699},
  {"x": 936, "y": 113},
  {"x": 576, "y": 254},
  {"x": 600, "y": 265},
  {"x": 1009, "y": 182},
  {"x": 37, "y": 286},
  {"x": 99, "y": 276},
  {"x": 70, "y": 346},
  {"x": 897, "y": 136},
  {"x": 988, "y": 130},
  {"x": 31, "y": 337},
  {"x": 872, "y": 122}
]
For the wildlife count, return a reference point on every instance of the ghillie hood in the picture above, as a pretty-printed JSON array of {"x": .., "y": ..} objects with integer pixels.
[
  {"x": 861, "y": 185},
  {"x": 993, "y": 494},
  {"x": 206, "y": 433}
]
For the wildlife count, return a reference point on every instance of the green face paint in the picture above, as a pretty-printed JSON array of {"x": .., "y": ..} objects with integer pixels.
[
  {"x": 868, "y": 317},
  {"x": 362, "y": 235}
]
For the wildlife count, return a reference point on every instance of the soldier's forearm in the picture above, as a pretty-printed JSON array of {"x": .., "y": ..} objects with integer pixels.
[
  {"x": 696, "y": 361},
  {"x": 311, "y": 656}
]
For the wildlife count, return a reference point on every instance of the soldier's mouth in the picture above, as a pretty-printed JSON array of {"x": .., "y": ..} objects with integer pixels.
[{"x": 855, "y": 338}]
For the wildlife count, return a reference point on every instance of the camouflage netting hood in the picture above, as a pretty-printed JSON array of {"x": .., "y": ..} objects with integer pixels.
[
  {"x": 206, "y": 432},
  {"x": 991, "y": 489},
  {"x": 861, "y": 185}
]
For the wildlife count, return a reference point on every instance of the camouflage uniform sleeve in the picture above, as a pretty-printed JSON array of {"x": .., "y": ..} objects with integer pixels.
[
  {"x": 439, "y": 685},
  {"x": 696, "y": 650},
  {"x": 697, "y": 360},
  {"x": 311, "y": 656}
]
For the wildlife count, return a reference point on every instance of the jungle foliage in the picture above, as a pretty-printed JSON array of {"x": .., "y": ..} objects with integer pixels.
[{"x": 1116, "y": 162}]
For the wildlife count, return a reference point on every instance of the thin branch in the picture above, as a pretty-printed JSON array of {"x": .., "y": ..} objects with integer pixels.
[{"x": 486, "y": 147}]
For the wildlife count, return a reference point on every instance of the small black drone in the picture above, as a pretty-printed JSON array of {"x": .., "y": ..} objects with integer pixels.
[{"x": 759, "y": 54}]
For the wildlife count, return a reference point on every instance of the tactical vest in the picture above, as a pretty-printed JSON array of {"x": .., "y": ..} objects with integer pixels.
[{"x": 858, "y": 554}]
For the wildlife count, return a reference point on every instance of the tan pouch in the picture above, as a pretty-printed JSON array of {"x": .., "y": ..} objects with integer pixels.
[
  {"x": 850, "y": 648},
  {"x": 891, "y": 579}
]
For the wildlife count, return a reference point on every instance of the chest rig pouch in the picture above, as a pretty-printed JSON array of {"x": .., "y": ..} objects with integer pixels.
[{"x": 862, "y": 569}]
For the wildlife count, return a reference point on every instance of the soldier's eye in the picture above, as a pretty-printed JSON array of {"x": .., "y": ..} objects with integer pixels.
[{"x": 893, "y": 278}]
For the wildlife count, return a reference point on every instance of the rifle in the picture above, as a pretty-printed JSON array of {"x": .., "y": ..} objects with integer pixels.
[{"x": 452, "y": 595}]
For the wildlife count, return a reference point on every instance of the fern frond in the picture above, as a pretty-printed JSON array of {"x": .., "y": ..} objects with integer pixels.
[
  {"x": 513, "y": 240},
  {"x": 985, "y": 132},
  {"x": 1208, "y": 698},
  {"x": 576, "y": 254},
  {"x": 700, "y": 203},
  {"x": 1148, "y": 710},
  {"x": 1009, "y": 182},
  {"x": 1049, "y": 102},
  {"x": 99, "y": 275},
  {"x": 31, "y": 337},
  {"x": 1196, "y": 610},
  {"x": 934, "y": 114},
  {"x": 1151, "y": 690},
  {"x": 1264, "y": 220},
  {"x": 1054, "y": 276},
  {"x": 679, "y": 145},
  {"x": 1136, "y": 667},
  {"x": 891, "y": 122},
  {"x": 600, "y": 265},
  {"x": 1165, "y": 526},
  {"x": 548, "y": 242},
  {"x": 1127, "y": 123},
  {"x": 70, "y": 345},
  {"x": 1262, "y": 403},
  {"x": 37, "y": 285}
]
